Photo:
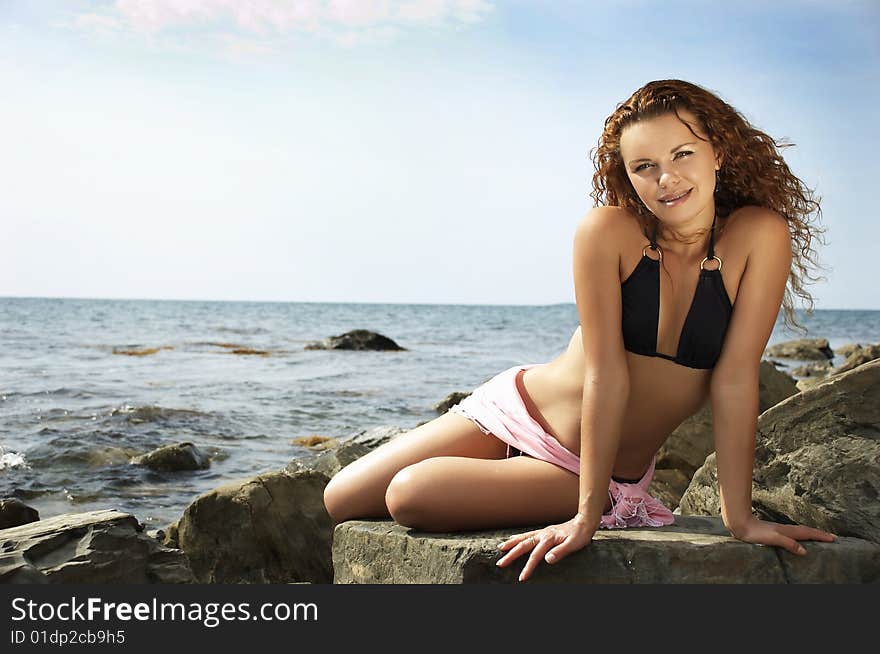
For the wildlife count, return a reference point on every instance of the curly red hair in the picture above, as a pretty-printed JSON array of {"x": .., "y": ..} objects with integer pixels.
[{"x": 753, "y": 171}]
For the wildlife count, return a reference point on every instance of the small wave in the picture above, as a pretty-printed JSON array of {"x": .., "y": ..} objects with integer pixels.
[
  {"x": 243, "y": 330},
  {"x": 12, "y": 460}
]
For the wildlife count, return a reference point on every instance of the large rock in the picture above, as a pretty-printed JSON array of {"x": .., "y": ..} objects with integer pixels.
[
  {"x": 693, "y": 550},
  {"x": 14, "y": 512},
  {"x": 817, "y": 459},
  {"x": 803, "y": 349},
  {"x": 691, "y": 442},
  {"x": 356, "y": 339},
  {"x": 272, "y": 528},
  {"x": 97, "y": 547},
  {"x": 179, "y": 456}
]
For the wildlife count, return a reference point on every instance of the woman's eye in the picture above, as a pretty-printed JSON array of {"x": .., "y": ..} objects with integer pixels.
[{"x": 638, "y": 168}]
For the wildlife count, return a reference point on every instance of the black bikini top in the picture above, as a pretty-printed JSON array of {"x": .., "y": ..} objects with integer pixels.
[{"x": 702, "y": 335}]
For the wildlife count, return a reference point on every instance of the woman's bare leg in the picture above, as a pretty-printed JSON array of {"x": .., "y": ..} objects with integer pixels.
[
  {"x": 450, "y": 493},
  {"x": 358, "y": 490}
]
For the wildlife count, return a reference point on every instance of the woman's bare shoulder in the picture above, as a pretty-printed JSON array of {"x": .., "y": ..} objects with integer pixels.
[
  {"x": 748, "y": 224},
  {"x": 615, "y": 225}
]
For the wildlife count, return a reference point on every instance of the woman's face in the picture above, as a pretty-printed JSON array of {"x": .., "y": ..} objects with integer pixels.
[{"x": 664, "y": 160}]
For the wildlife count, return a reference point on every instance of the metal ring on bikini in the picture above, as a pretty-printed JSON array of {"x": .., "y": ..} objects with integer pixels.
[
  {"x": 659, "y": 251},
  {"x": 712, "y": 257}
]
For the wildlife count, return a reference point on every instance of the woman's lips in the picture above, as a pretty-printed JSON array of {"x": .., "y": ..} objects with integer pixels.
[{"x": 679, "y": 201}]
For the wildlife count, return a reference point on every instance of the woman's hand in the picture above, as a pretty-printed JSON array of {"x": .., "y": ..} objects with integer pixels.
[
  {"x": 564, "y": 538},
  {"x": 786, "y": 536}
]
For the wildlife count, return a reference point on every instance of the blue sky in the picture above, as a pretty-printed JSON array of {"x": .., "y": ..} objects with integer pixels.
[{"x": 427, "y": 151}]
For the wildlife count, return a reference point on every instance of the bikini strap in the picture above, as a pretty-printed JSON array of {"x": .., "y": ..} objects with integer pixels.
[
  {"x": 654, "y": 237},
  {"x": 711, "y": 254}
]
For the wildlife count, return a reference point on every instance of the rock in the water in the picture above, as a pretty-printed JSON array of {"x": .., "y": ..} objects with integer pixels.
[
  {"x": 859, "y": 356},
  {"x": 357, "y": 339},
  {"x": 14, "y": 512},
  {"x": 817, "y": 459},
  {"x": 846, "y": 350},
  {"x": 346, "y": 450},
  {"x": 803, "y": 349},
  {"x": 453, "y": 398},
  {"x": 97, "y": 547},
  {"x": 180, "y": 456},
  {"x": 272, "y": 528},
  {"x": 693, "y": 550},
  {"x": 820, "y": 369}
]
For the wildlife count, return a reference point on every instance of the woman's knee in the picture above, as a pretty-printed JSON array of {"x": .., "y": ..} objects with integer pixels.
[
  {"x": 405, "y": 496},
  {"x": 335, "y": 499}
]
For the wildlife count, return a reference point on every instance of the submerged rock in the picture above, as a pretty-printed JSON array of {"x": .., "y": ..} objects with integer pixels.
[
  {"x": 803, "y": 349},
  {"x": 135, "y": 352},
  {"x": 96, "y": 547},
  {"x": 180, "y": 456},
  {"x": 817, "y": 459},
  {"x": 693, "y": 550},
  {"x": 357, "y": 339},
  {"x": 14, "y": 512}
]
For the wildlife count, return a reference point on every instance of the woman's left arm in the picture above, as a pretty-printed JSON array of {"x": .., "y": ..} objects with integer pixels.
[{"x": 734, "y": 384}]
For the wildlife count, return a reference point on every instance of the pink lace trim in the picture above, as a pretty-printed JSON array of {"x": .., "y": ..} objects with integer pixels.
[{"x": 631, "y": 506}]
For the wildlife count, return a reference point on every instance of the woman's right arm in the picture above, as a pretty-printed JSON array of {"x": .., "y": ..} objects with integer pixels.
[
  {"x": 606, "y": 376},
  {"x": 606, "y": 389}
]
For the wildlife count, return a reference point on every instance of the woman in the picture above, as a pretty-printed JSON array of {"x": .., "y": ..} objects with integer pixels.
[{"x": 683, "y": 187}]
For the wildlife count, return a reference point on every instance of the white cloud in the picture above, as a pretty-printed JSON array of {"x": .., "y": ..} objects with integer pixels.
[{"x": 282, "y": 17}]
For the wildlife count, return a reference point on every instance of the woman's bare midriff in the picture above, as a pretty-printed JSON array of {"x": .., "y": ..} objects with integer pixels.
[{"x": 652, "y": 412}]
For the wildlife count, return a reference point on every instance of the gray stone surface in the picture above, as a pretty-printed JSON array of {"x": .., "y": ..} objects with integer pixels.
[
  {"x": 817, "y": 459},
  {"x": 694, "y": 550},
  {"x": 97, "y": 547}
]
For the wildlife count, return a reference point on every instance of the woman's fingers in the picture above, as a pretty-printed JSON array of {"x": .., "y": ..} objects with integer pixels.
[
  {"x": 515, "y": 539},
  {"x": 537, "y": 554},
  {"x": 525, "y": 543},
  {"x": 802, "y": 532}
]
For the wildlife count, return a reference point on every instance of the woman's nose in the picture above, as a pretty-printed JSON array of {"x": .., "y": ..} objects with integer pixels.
[{"x": 668, "y": 177}]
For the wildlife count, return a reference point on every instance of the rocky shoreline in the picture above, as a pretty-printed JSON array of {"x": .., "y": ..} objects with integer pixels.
[{"x": 817, "y": 463}]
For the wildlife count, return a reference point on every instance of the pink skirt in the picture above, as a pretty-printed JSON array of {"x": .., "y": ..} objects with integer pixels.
[{"x": 498, "y": 409}]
